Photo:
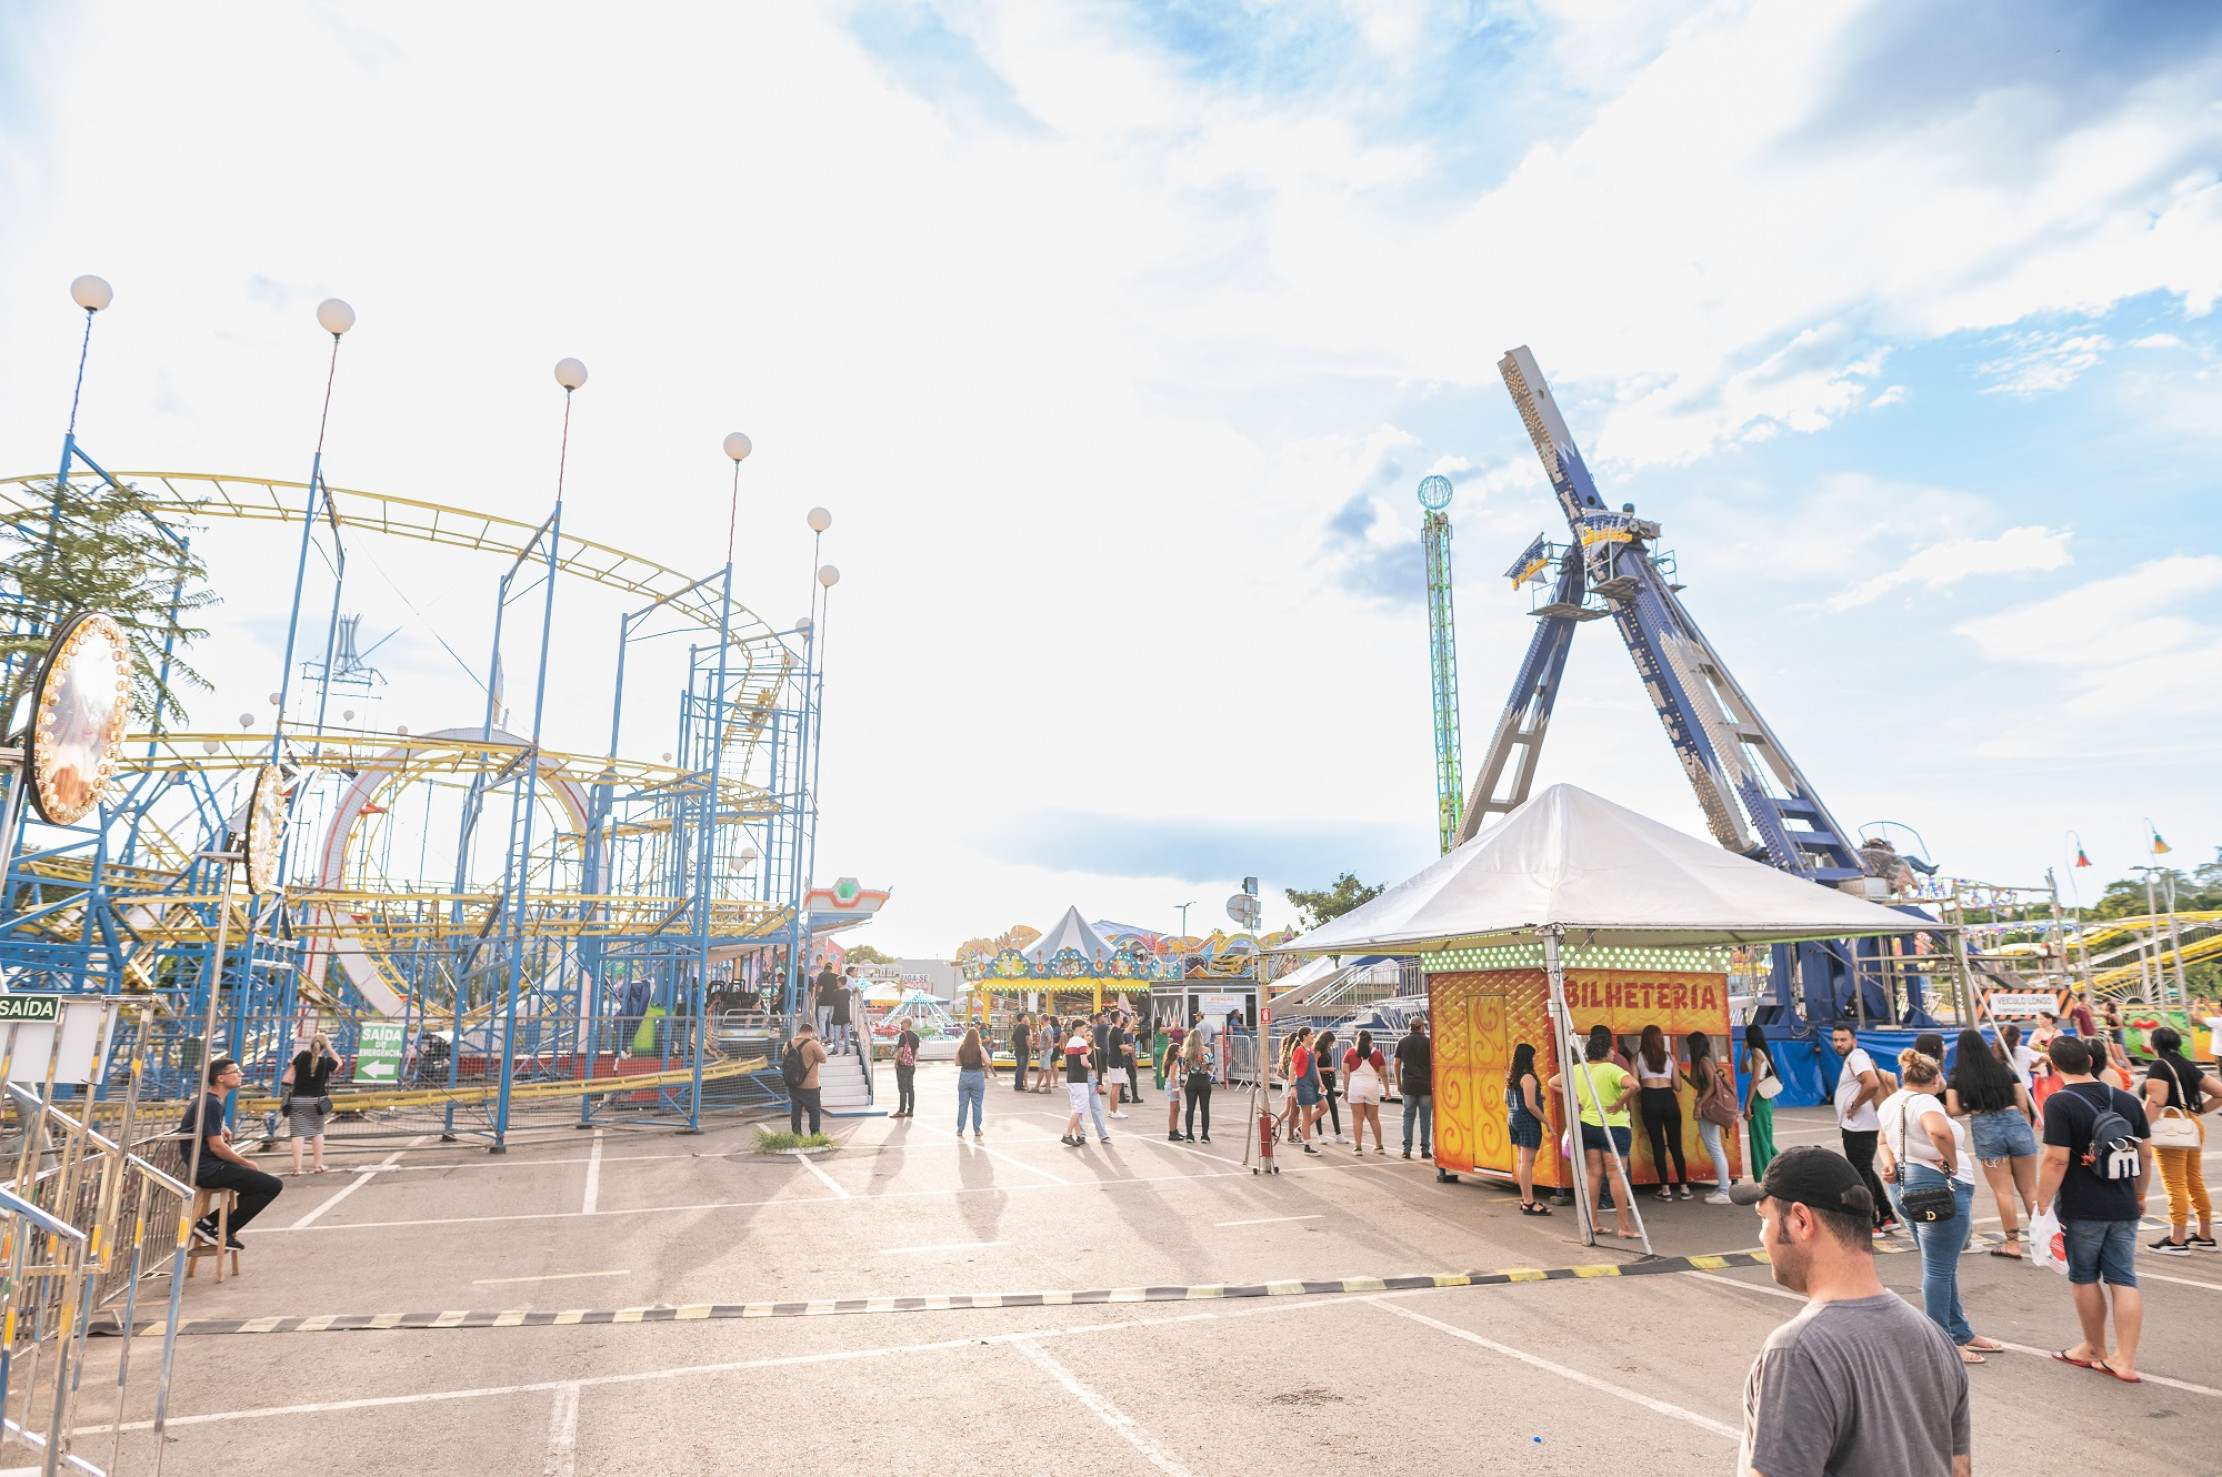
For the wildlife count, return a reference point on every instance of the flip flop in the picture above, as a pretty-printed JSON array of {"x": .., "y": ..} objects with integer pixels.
[
  {"x": 1984, "y": 1346},
  {"x": 2012, "y": 1256},
  {"x": 2065, "y": 1358},
  {"x": 2127, "y": 1379}
]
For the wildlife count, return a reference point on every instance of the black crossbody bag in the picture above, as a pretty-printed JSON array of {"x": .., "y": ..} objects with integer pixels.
[{"x": 1931, "y": 1203}]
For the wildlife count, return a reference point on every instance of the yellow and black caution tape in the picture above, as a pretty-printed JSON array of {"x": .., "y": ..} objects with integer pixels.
[{"x": 948, "y": 1302}]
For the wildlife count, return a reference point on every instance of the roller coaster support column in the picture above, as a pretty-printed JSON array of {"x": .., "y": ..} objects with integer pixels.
[
  {"x": 706, "y": 847},
  {"x": 520, "y": 858}
]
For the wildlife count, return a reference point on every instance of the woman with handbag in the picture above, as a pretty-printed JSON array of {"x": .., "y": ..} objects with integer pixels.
[
  {"x": 2177, "y": 1094},
  {"x": 1330, "y": 1082},
  {"x": 906, "y": 1073},
  {"x": 1195, "y": 1061},
  {"x": 1999, "y": 1117},
  {"x": 308, "y": 1099},
  {"x": 1366, "y": 1072},
  {"x": 1716, "y": 1112},
  {"x": 1923, "y": 1158},
  {"x": 1759, "y": 1101}
]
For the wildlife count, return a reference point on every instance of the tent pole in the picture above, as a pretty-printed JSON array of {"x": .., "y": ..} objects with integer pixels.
[
  {"x": 1562, "y": 1031},
  {"x": 1570, "y": 1047}
]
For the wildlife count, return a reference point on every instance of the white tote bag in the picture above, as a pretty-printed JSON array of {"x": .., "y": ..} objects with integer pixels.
[{"x": 2047, "y": 1245}]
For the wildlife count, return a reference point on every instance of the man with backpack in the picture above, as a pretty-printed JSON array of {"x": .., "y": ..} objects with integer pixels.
[
  {"x": 2097, "y": 1163},
  {"x": 799, "y": 1070}
]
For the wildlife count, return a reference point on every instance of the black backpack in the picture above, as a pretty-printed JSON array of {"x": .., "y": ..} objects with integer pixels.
[
  {"x": 2114, "y": 1153},
  {"x": 792, "y": 1068}
]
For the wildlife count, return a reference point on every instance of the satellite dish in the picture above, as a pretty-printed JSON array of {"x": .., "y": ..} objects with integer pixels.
[
  {"x": 1244, "y": 909},
  {"x": 1435, "y": 492}
]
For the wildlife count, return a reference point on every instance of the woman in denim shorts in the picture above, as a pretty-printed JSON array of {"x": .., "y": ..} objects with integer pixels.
[{"x": 1996, "y": 1106}]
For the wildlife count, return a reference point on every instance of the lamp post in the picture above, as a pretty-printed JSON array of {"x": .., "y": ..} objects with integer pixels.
[
  {"x": 1184, "y": 907},
  {"x": 737, "y": 446}
]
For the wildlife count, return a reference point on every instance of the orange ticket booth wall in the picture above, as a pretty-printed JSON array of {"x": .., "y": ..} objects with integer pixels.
[{"x": 1476, "y": 1017}]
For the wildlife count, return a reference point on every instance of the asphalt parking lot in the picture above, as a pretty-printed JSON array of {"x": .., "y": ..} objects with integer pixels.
[{"x": 1557, "y": 1375}]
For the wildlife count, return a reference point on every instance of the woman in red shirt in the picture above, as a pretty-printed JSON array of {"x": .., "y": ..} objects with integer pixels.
[{"x": 1365, "y": 1075}]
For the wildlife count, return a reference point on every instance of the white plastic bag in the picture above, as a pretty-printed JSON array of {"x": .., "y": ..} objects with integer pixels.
[{"x": 2047, "y": 1245}]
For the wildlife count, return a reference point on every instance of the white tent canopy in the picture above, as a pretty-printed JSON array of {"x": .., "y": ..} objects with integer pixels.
[
  {"x": 1070, "y": 932},
  {"x": 1607, "y": 876}
]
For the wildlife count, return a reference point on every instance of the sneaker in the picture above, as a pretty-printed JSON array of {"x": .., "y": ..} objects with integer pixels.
[
  {"x": 1189, "y": 1138},
  {"x": 1172, "y": 1138},
  {"x": 1118, "y": 1115},
  {"x": 2171, "y": 1248},
  {"x": 1666, "y": 1192},
  {"x": 1205, "y": 1139},
  {"x": 1719, "y": 1197},
  {"x": 233, "y": 1243},
  {"x": 1105, "y": 1139},
  {"x": 1683, "y": 1191},
  {"x": 1310, "y": 1150},
  {"x": 1407, "y": 1153},
  {"x": 2200, "y": 1243},
  {"x": 1427, "y": 1151},
  {"x": 204, "y": 1233}
]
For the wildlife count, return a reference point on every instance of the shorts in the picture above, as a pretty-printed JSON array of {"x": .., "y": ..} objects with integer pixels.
[
  {"x": 1307, "y": 1093},
  {"x": 305, "y": 1115},
  {"x": 1526, "y": 1132},
  {"x": 1077, "y": 1094},
  {"x": 1593, "y": 1137},
  {"x": 1365, "y": 1089},
  {"x": 2101, "y": 1251},
  {"x": 2002, "y": 1133}
]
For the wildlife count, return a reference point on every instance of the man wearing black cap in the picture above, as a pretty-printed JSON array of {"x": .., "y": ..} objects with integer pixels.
[{"x": 1860, "y": 1384}]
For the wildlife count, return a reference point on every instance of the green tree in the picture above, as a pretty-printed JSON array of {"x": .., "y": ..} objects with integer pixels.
[
  {"x": 1332, "y": 901},
  {"x": 866, "y": 954},
  {"x": 106, "y": 548}
]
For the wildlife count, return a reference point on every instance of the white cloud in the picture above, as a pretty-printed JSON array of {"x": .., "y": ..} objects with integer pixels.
[
  {"x": 1887, "y": 395},
  {"x": 1939, "y": 566},
  {"x": 2038, "y": 362},
  {"x": 2103, "y": 620},
  {"x": 2158, "y": 341}
]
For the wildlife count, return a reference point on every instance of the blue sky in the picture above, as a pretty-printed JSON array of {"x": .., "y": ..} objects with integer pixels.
[{"x": 1117, "y": 338}]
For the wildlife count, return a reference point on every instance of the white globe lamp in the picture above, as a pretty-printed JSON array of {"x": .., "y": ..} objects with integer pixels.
[
  {"x": 738, "y": 446},
  {"x": 334, "y": 316},
  {"x": 91, "y": 293},
  {"x": 570, "y": 373},
  {"x": 829, "y": 575},
  {"x": 820, "y": 520}
]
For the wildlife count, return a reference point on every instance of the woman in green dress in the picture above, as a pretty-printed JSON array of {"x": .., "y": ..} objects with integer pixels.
[{"x": 1759, "y": 1109}]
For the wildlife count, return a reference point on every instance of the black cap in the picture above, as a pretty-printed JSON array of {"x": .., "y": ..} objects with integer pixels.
[{"x": 1810, "y": 1176}]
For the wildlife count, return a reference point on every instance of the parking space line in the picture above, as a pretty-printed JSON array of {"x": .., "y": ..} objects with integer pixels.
[
  {"x": 563, "y": 1433},
  {"x": 1633, "y": 1397},
  {"x": 2148, "y": 1376},
  {"x": 997, "y": 1154},
  {"x": 551, "y": 1277},
  {"x": 593, "y": 1174},
  {"x": 360, "y": 1180},
  {"x": 823, "y": 1178},
  {"x": 1121, "y": 1424},
  {"x": 1271, "y": 1220}
]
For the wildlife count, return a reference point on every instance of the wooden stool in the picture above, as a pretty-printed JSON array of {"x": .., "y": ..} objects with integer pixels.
[{"x": 222, "y": 1203}]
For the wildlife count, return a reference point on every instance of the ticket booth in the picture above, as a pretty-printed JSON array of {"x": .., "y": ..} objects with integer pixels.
[{"x": 1482, "y": 1003}]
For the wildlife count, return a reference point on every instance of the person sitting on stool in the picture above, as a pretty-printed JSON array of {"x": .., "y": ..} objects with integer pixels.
[{"x": 222, "y": 1167}]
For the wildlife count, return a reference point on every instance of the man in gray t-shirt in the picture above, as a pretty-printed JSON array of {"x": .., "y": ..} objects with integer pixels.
[{"x": 1859, "y": 1384}]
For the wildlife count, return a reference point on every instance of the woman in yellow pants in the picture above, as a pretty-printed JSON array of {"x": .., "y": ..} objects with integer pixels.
[{"x": 2177, "y": 1093}]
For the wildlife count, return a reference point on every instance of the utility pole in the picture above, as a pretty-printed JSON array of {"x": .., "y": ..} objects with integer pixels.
[{"x": 1184, "y": 907}]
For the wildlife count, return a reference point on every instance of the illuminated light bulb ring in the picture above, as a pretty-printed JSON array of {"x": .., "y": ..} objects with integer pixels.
[
  {"x": 265, "y": 828},
  {"x": 80, "y": 705}
]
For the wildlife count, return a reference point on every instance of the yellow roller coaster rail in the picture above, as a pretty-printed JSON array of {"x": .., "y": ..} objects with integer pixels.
[{"x": 2122, "y": 976}]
